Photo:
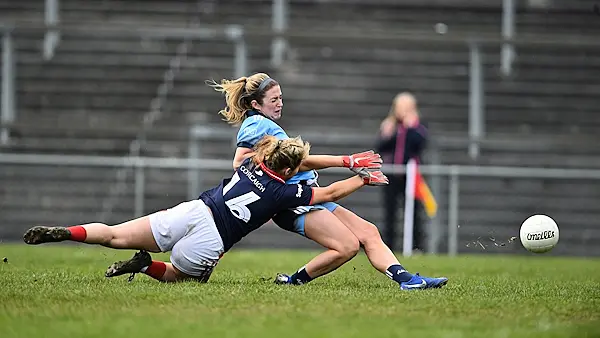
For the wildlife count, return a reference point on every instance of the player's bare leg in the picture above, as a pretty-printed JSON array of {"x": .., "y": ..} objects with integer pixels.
[
  {"x": 340, "y": 241},
  {"x": 135, "y": 234},
  {"x": 380, "y": 255}
]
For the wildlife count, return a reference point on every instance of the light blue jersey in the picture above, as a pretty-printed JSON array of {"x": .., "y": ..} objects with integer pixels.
[{"x": 255, "y": 127}]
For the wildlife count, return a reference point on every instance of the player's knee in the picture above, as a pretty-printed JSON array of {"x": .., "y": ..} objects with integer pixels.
[
  {"x": 370, "y": 235},
  {"x": 349, "y": 248}
]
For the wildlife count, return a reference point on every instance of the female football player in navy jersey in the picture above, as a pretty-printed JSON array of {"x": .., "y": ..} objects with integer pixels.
[
  {"x": 198, "y": 232},
  {"x": 254, "y": 103}
]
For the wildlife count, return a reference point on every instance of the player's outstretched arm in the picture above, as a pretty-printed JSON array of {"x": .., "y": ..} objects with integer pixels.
[
  {"x": 367, "y": 159},
  {"x": 241, "y": 154},
  {"x": 341, "y": 189}
]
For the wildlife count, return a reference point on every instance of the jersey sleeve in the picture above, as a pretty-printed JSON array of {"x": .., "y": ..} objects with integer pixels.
[
  {"x": 251, "y": 131},
  {"x": 295, "y": 195}
]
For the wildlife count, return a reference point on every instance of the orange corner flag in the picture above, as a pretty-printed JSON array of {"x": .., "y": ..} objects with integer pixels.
[{"x": 424, "y": 195}]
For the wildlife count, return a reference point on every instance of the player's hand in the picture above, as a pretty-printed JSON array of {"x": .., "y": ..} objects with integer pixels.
[
  {"x": 368, "y": 159},
  {"x": 372, "y": 177}
]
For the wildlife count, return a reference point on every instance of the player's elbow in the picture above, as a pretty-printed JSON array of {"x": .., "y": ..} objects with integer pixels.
[
  {"x": 323, "y": 194},
  {"x": 332, "y": 195}
]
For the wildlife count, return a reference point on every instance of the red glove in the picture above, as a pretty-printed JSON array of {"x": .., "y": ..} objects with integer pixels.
[
  {"x": 372, "y": 177},
  {"x": 367, "y": 159}
]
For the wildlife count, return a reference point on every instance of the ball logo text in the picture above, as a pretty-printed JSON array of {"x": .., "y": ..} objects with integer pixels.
[{"x": 538, "y": 236}]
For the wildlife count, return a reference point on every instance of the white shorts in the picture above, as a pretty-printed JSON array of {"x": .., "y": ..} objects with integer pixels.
[{"x": 188, "y": 230}]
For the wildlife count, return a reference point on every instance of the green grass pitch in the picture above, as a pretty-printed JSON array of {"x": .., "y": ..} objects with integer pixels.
[{"x": 60, "y": 291}]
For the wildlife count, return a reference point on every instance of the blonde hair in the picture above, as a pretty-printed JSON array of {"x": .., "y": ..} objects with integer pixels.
[
  {"x": 240, "y": 93},
  {"x": 278, "y": 155},
  {"x": 392, "y": 113}
]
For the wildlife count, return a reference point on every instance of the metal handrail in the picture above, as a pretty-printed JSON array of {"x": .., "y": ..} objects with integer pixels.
[{"x": 218, "y": 164}]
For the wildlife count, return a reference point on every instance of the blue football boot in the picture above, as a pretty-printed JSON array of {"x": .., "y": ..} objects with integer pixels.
[{"x": 420, "y": 283}]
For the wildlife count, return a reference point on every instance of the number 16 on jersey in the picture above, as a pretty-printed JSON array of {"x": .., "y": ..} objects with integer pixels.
[{"x": 238, "y": 205}]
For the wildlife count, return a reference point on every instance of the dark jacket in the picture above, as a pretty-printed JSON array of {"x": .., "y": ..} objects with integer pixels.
[{"x": 405, "y": 144}]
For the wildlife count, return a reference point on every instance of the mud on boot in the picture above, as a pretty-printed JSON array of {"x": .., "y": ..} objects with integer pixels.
[
  {"x": 140, "y": 260},
  {"x": 45, "y": 234}
]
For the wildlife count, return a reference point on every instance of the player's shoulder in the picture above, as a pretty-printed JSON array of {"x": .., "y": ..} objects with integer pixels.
[
  {"x": 267, "y": 177},
  {"x": 251, "y": 122},
  {"x": 253, "y": 119},
  {"x": 256, "y": 171},
  {"x": 250, "y": 130},
  {"x": 255, "y": 123},
  {"x": 269, "y": 186}
]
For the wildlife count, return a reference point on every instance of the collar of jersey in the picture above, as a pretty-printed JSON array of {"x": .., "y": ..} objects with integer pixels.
[
  {"x": 271, "y": 173},
  {"x": 252, "y": 112}
]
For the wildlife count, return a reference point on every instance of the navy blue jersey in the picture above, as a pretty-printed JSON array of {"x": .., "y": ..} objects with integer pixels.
[{"x": 250, "y": 198}]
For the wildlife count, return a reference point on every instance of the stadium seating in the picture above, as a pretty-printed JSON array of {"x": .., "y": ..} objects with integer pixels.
[{"x": 91, "y": 97}]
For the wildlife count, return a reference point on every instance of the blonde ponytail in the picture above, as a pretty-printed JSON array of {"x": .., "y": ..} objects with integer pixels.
[
  {"x": 240, "y": 93},
  {"x": 265, "y": 148},
  {"x": 233, "y": 90}
]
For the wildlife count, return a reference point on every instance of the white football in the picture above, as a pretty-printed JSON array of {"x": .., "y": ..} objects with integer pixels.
[{"x": 539, "y": 233}]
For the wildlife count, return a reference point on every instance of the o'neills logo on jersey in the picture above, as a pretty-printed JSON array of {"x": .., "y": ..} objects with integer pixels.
[
  {"x": 299, "y": 193},
  {"x": 538, "y": 236},
  {"x": 252, "y": 178}
]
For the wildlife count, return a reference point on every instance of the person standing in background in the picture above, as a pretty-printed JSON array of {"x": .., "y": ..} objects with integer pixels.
[{"x": 401, "y": 137}]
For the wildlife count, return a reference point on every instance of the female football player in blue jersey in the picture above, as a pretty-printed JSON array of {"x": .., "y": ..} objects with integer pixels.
[
  {"x": 198, "y": 232},
  {"x": 255, "y": 103}
]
